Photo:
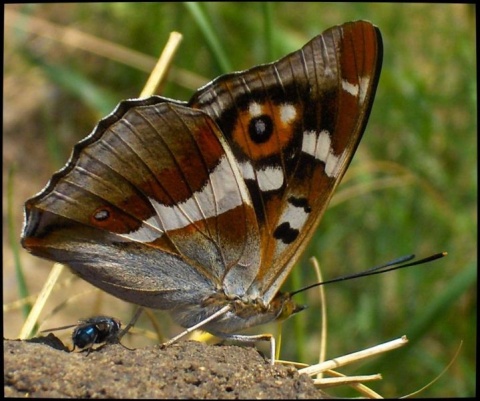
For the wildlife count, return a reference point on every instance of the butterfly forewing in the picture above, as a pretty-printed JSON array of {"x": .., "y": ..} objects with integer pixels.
[{"x": 293, "y": 127}]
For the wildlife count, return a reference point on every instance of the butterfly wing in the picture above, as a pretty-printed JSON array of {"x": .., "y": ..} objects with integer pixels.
[
  {"x": 293, "y": 126},
  {"x": 151, "y": 208}
]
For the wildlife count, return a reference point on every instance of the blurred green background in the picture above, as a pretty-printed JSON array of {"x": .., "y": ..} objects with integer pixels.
[{"x": 411, "y": 188}]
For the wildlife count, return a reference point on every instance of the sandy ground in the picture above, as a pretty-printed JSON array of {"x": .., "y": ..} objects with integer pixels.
[{"x": 42, "y": 368}]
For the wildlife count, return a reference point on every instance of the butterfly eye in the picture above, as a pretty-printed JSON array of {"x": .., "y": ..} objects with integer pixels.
[{"x": 260, "y": 128}]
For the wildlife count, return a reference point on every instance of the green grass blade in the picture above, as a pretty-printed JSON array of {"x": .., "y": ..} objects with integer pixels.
[
  {"x": 212, "y": 39},
  {"x": 77, "y": 84},
  {"x": 13, "y": 239},
  {"x": 442, "y": 302},
  {"x": 267, "y": 12}
]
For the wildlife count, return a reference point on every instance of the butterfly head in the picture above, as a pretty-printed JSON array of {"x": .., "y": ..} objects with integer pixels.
[{"x": 285, "y": 306}]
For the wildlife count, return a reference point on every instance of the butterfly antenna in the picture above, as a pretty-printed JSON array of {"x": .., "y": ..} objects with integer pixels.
[
  {"x": 387, "y": 267},
  {"x": 133, "y": 320}
]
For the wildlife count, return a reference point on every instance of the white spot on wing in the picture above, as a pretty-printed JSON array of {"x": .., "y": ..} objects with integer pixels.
[
  {"x": 309, "y": 142},
  {"x": 246, "y": 169},
  {"x": 295, "y": 216},
  {"x": 148, "y": 232},
  {"x": 270, "y": 178},
  {"x": 255, "y": 109},
  {"x": 324, "y": 146},
  {"x": 320, "y": 147},
  {"x": 220, "y": 194},
  {"x": 364, "y": 83},
  {"x": 350, "y": 88},
  {"x": 287, "y": 113},
  {"x": 359, "y": 90},
  {"x": 334, "y": 164}
]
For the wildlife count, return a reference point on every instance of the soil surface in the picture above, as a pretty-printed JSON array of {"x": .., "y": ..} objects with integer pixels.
[{"x": 42, "y": 368}]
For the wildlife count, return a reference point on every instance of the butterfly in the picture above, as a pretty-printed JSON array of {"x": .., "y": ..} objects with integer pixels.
[{"x": 203, "y": 207}]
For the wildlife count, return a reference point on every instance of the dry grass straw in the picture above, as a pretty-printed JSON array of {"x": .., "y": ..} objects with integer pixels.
[{"x": 156, "y": 78}]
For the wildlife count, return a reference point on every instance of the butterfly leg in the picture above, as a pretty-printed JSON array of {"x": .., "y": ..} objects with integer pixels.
[
  {"x": 252, "y": 339},
  {"x": 131, "y": 323},
  {"x": 90, "y": 347},
  {"x": 220, "y": 312}
]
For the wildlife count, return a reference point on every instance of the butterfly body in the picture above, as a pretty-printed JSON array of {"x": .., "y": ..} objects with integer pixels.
[{"x": 205, "y": 206}]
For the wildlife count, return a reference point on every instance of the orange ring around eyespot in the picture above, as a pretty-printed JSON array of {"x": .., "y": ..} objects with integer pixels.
[{"x": 283, "y": 130}]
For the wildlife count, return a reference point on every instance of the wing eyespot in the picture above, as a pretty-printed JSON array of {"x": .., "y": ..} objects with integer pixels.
[
  {"x": 260, "y": 128},
  {"x": 101, "y": 214}
]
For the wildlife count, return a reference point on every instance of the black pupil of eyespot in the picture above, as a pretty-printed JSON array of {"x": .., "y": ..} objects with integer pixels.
[{"x": 260, "y": 128}]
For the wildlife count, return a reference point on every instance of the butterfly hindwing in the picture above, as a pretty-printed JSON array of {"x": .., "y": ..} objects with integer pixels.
[{"x": 151, "y": 204}]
